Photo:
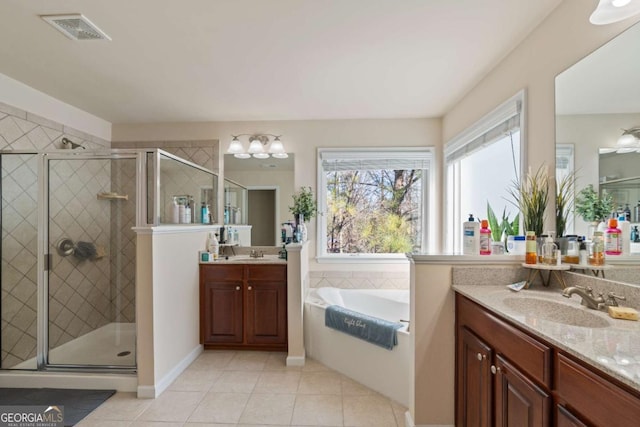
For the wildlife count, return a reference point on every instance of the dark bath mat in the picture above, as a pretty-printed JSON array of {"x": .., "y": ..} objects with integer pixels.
[{"x": 77, "y": 403}]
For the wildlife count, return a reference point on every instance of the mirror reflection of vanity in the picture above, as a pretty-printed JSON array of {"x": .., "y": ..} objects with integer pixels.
[
  {"x": 596, "y": 100},
  {"x": 269, "y": 187}
]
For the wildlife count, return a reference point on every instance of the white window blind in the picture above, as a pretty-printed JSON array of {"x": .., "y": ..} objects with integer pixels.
[
  {"x": 502, "y": 121},
  {"x": 406, "y": 159}
]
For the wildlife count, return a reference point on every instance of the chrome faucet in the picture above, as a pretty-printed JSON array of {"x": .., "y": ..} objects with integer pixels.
[
  {"x": 256, "y": 254},
  {"x": 588, "y": 300}
]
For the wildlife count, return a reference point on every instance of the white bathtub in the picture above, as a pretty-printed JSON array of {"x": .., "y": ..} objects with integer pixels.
[{"x": 385, "y": 371}]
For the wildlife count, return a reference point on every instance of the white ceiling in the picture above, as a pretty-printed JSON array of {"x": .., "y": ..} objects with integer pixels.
[
  {"x": 203, "y": 60},
  {"x": 605, "y": 82}
]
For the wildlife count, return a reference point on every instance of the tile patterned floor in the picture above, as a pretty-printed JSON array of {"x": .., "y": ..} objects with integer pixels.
[{"x": 252, "y": 389}]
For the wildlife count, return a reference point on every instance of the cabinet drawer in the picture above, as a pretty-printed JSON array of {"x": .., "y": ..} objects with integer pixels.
[
  {"x": 593, "y": 397},
  {"x": 221, "y": 272},
  {"x": 532, "y": 356},
  {"x": 270, "y": 273}
]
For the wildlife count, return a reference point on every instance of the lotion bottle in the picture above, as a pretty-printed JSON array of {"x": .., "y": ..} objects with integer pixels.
[
  {"x": 471, "y": 236},
  {"x": 213, "y": 245}
]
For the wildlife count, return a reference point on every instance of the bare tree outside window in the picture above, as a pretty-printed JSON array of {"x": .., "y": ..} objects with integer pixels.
[{"x": 374, "y": 211}]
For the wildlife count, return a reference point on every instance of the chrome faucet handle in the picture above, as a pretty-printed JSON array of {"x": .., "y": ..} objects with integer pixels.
[
  {"x": 611, "y": 299},
  {"x": 587, "y": 289}
]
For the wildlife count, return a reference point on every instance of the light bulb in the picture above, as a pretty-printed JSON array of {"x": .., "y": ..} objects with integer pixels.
[
  {"x": 276, "y": 146},
  {"x": 620, "y": 3},
  {"x": 235, "y": 146},
  {"x": 255, "y": 146}
]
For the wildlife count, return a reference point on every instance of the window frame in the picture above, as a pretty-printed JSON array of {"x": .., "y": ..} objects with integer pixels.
[
  {"x": 451, "y": 204},
  {"x": 428, "y": 197}
]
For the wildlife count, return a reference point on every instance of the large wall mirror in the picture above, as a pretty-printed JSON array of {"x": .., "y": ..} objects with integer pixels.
[
  {"x": 596, "y": 100},
  {"x": 270, "y": 186}
]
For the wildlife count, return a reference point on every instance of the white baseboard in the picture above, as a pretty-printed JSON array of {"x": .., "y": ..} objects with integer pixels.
[
  {"x": 296, "y": 360},
  {"x": 408, "y": 422},
  {"x": 153, "y": 391}
]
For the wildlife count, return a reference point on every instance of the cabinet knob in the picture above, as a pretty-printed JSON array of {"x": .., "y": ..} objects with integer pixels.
[
  {"x": 249, "y": 287},
  {"x": 494, "y": 369},
  {"x": 481, "y": 356},
  {"x": 237, "y": 288}
]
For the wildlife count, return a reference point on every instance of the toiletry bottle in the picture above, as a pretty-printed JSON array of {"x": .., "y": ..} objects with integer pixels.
[
  {"x": 625, "y": 235},
  {"x": 596, "y": 250},
  {"x": 283, "y": 253},
  {"x": 583, "y": 254},
  {"x": 471, "y": 236},
  {"x": 204, "y": 214},
  {"x": 636, "y": 213},
  {"x": 485, "y": 238},
  {"x": 213, "y": 245},
  {"x": 549, "y": 251},
  {"x": 175, "y": 212},
  {"x": 612, "y": 244},
  {"x": 531, "y": 248},
  {"x": 627, "y": 213},
  {"x": 635, "y": 234},
  {"x": 187, "y": 214},
  {"x": 181, "y": 214}
]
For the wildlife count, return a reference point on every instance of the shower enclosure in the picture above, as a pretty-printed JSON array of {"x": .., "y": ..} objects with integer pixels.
[{"x": 69, "y": 251}]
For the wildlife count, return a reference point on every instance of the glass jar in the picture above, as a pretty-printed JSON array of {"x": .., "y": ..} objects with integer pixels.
[{"x": 596, "y": 249}]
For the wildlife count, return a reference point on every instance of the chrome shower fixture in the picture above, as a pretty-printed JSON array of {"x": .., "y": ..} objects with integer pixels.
[{"x": 70, "y": 145}]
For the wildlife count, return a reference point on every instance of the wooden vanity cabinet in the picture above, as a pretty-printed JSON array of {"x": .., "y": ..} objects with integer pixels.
[
  {"x": 507, "y": 377},
  {"x": 491, "y": 389},
  {"x": 243, "y": 306}
]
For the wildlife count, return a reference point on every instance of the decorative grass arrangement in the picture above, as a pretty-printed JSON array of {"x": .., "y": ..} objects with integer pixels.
[
  {"x": 565, "y": 192},
  {"x": 530, "y": 196}
]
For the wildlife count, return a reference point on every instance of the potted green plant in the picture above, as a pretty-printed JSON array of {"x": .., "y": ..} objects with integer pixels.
[
  {"x": 500, "y": 230},
  {"x": 591, "y": 206},
  {"x": 530, "y": 196},
  {"x": 304, "y": 205}
]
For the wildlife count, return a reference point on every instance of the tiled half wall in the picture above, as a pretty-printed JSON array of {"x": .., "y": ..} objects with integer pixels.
[{"x": 359, "y": 279}]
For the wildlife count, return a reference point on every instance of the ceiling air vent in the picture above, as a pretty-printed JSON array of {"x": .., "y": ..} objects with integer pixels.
[{"x": 76, "y": 27}]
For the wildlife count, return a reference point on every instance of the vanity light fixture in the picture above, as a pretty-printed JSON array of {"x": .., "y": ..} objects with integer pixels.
[
  {"x": 629, "y": 141},
  {"x": 257, "y": 146},
  {"x": 610, "y": 11}
]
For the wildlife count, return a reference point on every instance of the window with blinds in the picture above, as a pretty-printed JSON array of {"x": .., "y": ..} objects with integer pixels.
[
  {"x": 482, "y": 163},
  {"x": 372, "y": 201}
]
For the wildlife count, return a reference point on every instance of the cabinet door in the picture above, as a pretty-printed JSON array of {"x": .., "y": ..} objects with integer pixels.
[
  {"x": 222, "y": 312},
  {"x": 564, "y": 418},
  {"x": 519, "y": 402},
  {"x": 266, "y": 316},
  {"x": 473, "y": 395}
]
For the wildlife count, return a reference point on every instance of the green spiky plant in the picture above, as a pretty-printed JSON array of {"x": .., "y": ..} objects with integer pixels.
[
  {"x": 503, "y": 228},
  {"x": 531, "y": 196}
]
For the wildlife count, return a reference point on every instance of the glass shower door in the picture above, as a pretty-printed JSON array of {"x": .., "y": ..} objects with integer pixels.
[{"x": 90, "y": 276}]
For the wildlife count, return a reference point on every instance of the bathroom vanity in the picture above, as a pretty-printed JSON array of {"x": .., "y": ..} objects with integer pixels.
[
  {"x": 243, "y": 304},
  {"x": 542, "y": 362}
]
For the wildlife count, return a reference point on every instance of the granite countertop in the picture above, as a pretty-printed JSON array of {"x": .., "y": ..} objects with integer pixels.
[
  {"x": 610, "y": 345},
  {"x": 246, "y": 259}
]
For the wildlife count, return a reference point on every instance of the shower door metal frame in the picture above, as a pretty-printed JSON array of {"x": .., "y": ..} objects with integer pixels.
[{"x": 44, "y": 250}]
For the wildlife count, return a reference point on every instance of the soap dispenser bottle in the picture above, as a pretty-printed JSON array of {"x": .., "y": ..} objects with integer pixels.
[
  {"x": 471, "y": 236},
  {"x": 549, "y": 251}
]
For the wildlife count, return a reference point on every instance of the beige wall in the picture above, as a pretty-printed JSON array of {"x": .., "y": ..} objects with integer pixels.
[
  {"x": 303, "y": 138},
  {"x": 561, "y": 40},
  {"x": 20, "y": 95},
  {"x": 167, "y": 278}
]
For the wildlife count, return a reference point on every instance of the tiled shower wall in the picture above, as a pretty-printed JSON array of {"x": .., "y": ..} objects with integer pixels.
[
  {"x": 359, "y": 279},
  {"x": 83, "y": 294}
]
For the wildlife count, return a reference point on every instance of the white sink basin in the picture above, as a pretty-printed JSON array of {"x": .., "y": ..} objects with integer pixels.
[{"x": 557, "y": 312}]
